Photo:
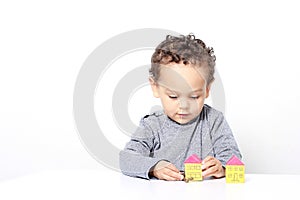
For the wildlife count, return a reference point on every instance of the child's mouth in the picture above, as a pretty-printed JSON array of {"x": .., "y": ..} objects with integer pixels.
[{"x": 183, "y": 115}]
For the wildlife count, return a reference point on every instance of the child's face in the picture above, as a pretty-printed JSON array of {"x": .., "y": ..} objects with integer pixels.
[{"x": 182, "y": 90}]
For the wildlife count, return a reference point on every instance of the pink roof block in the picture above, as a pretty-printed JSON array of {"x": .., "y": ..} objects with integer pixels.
[
  {"x": 234, "y": 161},
  {"x": 193, "y": 159}
]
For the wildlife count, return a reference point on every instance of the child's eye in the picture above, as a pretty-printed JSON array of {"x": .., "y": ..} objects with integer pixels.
[
  {"x": 195, "y": 97},
  {"x": 172, "y": 97}
]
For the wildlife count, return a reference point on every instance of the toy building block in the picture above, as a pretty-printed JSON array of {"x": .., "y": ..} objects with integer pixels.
[
  {"x": 192, "y": 168},
  {"x": 235, "y": 171}
]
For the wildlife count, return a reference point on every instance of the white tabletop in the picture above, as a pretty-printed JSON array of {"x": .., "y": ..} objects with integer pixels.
[{"x": 101, "y": 184}]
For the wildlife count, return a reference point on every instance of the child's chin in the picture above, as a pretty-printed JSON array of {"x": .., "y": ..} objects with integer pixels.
[{"x": 182, "y": 121}]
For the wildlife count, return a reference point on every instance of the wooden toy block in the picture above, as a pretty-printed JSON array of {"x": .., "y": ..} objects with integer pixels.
[
  {"x": 235, "y": 171},
  {"x": 192, "y": 168}
]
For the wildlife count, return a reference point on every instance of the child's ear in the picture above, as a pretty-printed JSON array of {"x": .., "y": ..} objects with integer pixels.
[
  {"x": 154, "y": 87},
  {"x": 208, "y": 89}
]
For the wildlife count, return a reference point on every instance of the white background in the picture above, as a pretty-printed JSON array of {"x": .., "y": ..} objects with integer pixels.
[{"x": 43, "y": 46}]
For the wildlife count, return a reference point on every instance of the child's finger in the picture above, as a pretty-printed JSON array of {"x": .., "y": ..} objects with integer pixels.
[
  {"x": 169, "y": 175},
  {"x": 208, "y": 158},
  {"x": 213, "y": 167},
  {"x": 173, "y": 168},
  {"x": 175, "y": 175},
  {"x": 208, "y": 162},
  {"x": 210, "y": 171},
  {"x": 174, "y": 172},
  {"x": 167, "y": 171}
]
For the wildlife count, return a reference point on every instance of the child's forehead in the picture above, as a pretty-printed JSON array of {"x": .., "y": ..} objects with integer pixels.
[
  {"x": 182, "y": 89},
  {"x": 170, "y": 89},
  {"x": 181, "y": 78},
  {"x": 181, "y": 72}
]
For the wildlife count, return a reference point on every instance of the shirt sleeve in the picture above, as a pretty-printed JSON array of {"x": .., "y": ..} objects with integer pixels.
[
  {"x": 224, "y": 143},
  {"x": 135, "y": 159}
]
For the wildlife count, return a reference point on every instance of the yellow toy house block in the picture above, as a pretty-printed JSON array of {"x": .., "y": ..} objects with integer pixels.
[
  {"x": 235, "y": 171},
  {"x": 192, "y": 168}
]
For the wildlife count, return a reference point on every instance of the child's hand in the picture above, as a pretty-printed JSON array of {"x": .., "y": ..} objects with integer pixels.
[
  {"x": 166, "y": 171},
  {"x": 212, "y": 167}
]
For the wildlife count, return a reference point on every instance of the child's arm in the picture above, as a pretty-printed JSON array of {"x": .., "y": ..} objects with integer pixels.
[
  {"x": 224, "y": 143},
  {"x": 136, "y": 159},
  {"x": 223, "y": 146}
]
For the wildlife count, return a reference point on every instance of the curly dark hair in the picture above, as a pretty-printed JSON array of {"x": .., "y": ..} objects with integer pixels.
[{"x": 183, "y": 49}]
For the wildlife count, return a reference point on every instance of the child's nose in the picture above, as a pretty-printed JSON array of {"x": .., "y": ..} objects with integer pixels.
[{"x": 183, "y": 103}]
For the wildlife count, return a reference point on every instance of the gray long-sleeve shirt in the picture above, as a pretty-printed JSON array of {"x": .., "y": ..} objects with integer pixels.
[{"x": 160, "y": 138}]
